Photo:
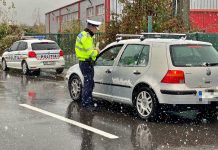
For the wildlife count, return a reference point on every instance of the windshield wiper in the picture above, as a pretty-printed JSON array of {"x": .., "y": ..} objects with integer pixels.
[
  {"x": 209, "y": 64},
  {"x": 213, "y": 64}
]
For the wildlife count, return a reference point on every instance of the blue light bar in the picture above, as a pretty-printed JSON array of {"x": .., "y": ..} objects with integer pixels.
[{"x": 40, "y": 37}]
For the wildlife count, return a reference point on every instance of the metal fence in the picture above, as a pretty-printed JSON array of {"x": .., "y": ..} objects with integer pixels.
[
  {"x": 67, "y": 42},
  {"x": 206, "y": 37}
]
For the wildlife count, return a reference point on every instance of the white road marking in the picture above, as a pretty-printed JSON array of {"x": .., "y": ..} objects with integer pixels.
[{"x": 97, "y": 131}]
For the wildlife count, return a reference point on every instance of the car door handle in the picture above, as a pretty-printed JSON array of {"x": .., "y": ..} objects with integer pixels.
[
  {"x": 108, "y": 71},
  {"x": 136, "y": 72}
]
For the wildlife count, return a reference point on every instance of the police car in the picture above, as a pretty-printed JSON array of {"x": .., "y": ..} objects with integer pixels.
[{"x": 33, "y": 54}]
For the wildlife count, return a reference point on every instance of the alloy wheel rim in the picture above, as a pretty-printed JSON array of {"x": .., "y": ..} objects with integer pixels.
[
  {"x": 75, "y": 88},
  {"x": 144, "y": 103}
]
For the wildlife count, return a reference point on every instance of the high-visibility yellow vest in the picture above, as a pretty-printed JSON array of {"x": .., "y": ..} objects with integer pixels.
[{"x": 84, "y": 48}]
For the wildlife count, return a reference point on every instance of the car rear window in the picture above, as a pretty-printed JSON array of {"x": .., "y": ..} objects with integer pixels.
[
  {"x": 45, "y": 46},
  {"x": 193, "y": 55}
]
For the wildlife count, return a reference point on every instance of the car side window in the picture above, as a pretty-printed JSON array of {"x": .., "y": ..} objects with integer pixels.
[
  {"x": 22, "y": 46},
  {"x": 144, "y": 56},
  {"x": 134, "y": 54},
  {"x": 107, "y": 58},
  {"x": 14, "y": 46}
]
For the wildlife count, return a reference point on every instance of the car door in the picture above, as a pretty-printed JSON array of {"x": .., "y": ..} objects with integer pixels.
[
  {"x": 132, "y": 65},
  {"x": 11, "y": 60},
  {"x": 18, "y": 54},
  {"x": 103, "y": 68}
]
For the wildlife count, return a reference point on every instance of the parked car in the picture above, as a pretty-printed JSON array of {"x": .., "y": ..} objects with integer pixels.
[
  {"x": 152, "y": 74},
  {"x": 33, "y": 55}
]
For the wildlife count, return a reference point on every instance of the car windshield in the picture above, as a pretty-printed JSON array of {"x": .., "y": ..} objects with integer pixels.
[
  {"x": 193, "y": 55},
  {"x": 45, "y": 46}
]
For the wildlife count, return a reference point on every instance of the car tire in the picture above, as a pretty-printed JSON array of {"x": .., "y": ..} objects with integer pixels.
[
  {"x": 59, "y": 70},
  {"x": 146, "y": 104},
  {"x": 75, "y": 87},
  {"x": 25, "y": 68},
  {"x": 4, "y": 65}
]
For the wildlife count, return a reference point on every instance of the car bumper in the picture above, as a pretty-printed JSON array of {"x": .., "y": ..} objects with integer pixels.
[
  {"x": 60, "y": 63},
  {"x": 187, "y": 97}
]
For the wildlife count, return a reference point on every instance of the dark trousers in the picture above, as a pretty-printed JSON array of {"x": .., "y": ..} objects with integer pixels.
[{"x": 87, "y": 70}]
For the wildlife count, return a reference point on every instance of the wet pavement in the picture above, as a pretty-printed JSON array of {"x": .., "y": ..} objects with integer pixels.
[{"x": 49, "y": 129}]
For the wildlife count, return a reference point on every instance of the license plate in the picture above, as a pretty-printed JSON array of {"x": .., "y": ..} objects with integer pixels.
[
  {"x": 49, "y": 63},
  {"x": 212, "y": 93}
]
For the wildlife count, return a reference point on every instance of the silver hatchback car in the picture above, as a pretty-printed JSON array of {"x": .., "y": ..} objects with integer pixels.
[{"x": 153, "y": 73}]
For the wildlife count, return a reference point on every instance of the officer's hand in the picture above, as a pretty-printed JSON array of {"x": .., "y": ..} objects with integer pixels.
[{"x": 98, "y": 49}]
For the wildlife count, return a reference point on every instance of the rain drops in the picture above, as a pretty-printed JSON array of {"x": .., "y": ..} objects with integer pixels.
[{"x": 6, "y": 128}]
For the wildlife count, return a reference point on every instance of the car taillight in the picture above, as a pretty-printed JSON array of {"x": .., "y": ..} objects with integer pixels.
[
  {"x": 174, "y": 76},
  {"x": 31, "y": 54},
  {"x": 61, "y": 53}
]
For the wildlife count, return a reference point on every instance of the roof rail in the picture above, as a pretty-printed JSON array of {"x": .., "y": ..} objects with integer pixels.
[
  {"x": 143, "y": 36},
  {"x": 133, "y": 36},
  {"x": 164, "y": 35}
]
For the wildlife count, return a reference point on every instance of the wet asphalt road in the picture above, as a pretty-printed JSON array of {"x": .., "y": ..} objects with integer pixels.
[{"x": 25, "y": 129}]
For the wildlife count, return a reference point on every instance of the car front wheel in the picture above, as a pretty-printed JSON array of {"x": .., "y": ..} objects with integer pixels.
[
  {"x": 146, "y": 103},
  {"x": 4, "y": 65},
  {"x": 75, "y": 88}
]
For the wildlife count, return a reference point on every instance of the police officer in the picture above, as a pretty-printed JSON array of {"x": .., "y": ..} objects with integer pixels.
[{"x": 86, "y": 52}]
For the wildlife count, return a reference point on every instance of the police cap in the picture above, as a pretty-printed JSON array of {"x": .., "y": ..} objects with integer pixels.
[{"x": 93, "y": 23}]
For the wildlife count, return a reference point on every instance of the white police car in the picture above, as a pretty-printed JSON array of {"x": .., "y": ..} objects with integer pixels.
[{"x": 33, "y": 55}]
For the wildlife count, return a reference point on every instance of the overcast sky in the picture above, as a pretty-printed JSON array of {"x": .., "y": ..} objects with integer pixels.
[{"x": 26, "y": 10}]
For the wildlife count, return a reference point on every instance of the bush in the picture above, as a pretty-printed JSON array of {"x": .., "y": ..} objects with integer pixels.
[
  {"x": 8, "y": 35},
  {"x": 6, "y": 42}
]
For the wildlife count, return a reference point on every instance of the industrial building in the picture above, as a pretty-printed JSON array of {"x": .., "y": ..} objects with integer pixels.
[
  {"x": 81, "y": 10},
  {"x": 203, "y": 14}
]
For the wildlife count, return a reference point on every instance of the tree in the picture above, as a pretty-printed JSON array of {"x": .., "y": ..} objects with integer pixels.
[
  {"x": 38, "y": 28},
  {"x": 7, "y": 11},
  {"x": 136, "y": 12},
  {"x": 8, "y": 35},
  {"x": 133, "y": 19},
  {"x": 72, "y": 26}
]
